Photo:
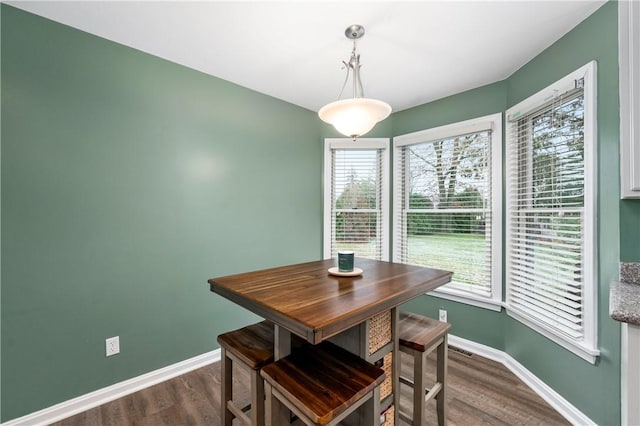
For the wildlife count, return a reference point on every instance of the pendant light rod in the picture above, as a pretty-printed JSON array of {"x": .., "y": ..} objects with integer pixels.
[
  {"x": 356, "y": 116},
  {"x": 354, "y": 32}
]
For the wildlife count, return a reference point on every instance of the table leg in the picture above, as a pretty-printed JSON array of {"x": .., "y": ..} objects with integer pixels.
[
  {"x": 282, "y": 342},
  {"x": 395, "y": 336}
]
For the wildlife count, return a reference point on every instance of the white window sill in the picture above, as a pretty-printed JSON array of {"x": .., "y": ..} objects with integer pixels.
[{"x": 466, "y": 298}]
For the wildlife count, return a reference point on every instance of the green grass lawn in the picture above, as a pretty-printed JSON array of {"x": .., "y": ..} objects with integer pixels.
[
  {"x": 366, "y": 249},
  {"x": 464, "y": 254}
]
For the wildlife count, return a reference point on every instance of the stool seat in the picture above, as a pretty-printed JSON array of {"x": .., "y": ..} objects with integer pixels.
[
  {"x": 418, "y": 337},
  {"x": 323, "y": 383},
  {"x": 252, "y": 344},
  {"x": 419, "y": 332},
  {"x": 250, "y": 347}
]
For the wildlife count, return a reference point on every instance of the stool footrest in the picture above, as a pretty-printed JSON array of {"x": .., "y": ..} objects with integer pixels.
[
  {"x": 239, "y": 413},
  {"x": 433, "y": 392},
  {"x": 402, "y": 416},
  {"x": 406, "y": 381},
  {"x": 429, "y": 393}
]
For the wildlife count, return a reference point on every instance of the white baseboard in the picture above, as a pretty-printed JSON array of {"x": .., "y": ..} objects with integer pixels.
[
  {"x": 102, "y": 396},
  {"x": 85, "y": 402},
  {"x": 553, "y": 398}
]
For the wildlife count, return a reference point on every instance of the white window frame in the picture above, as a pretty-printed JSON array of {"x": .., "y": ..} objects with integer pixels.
[
  {"x": 491, "y": 122},
  {"x": 358, "y": 144},
  {"x": 588, "y": 349}
]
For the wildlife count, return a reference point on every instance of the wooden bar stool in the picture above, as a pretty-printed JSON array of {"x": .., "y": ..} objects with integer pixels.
[
  {"x": 322, "y": 385},
  {"x": 252, "y": 348},
  {"x": 419, "y": 336}
]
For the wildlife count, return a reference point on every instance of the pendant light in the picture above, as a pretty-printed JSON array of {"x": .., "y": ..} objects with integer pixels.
[{"x": 356, "y": 116}]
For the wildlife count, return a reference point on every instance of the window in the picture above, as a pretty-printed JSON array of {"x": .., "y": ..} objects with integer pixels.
[
  {"x": 551, "y": 212},
  {"x": 447, "y": 206},
  {"x": 356, "y": 197}
]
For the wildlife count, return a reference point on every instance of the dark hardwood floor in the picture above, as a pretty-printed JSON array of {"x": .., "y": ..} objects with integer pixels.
[{"x": 481, "y": 392}]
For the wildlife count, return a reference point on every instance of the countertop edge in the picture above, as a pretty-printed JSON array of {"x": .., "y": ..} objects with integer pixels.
[{"x": 624, "y": 302}]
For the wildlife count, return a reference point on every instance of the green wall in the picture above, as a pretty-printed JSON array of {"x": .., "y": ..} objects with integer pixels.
[
  {"x": 630, "y": 237},
  {"x": 127, "y": 182},
  {"x": 593, "y": 389}
]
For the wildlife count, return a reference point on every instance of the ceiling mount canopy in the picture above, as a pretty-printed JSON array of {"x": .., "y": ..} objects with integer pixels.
[{"x": 355, "y": 116}]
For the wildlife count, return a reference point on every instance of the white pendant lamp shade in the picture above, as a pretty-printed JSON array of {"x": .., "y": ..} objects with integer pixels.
[{"x": 354, "y": 117}]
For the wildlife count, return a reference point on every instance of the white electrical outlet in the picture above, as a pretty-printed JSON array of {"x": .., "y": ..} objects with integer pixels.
[
  {"x": 442, "y": 315},
  {"x": 112, "y": 345}
]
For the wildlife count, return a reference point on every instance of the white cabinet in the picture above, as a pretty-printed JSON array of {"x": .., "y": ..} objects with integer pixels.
[{"x": 629, "y": 61}]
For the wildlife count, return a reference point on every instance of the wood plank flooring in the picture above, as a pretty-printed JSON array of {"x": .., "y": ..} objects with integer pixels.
[{"x": 481, "y": 392}]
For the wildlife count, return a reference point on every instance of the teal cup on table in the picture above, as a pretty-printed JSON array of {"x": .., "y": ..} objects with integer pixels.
[{"x": 345, "y": 261}]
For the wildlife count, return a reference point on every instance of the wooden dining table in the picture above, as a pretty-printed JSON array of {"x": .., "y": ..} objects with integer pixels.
[{"x": 307, "y": 301}]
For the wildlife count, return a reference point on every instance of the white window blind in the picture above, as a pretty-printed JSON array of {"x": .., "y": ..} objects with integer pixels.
[
  {"x": 446, "y": 215},
  {"x": 356, "y": 205},
  {"x": 549, "y": 243}
]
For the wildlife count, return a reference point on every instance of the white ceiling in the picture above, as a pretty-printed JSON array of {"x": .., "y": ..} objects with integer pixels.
[{"x": 412, "y": 52}]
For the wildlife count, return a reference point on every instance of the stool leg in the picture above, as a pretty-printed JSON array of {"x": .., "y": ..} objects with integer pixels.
[
  {"x": 276, "y": 414},
  {"x": 227, "y": 391},
  {"x": 442, "y": 379},
  {"x": 369, "y": 413},
  {"x": 268, "y": 405},
  {"x": 257, "y": 399},
  {"x": 419, "y": 386},
  {"x": 376, "y": 406}
]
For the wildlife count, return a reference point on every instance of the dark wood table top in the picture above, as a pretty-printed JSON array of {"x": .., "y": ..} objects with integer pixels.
[{"x": 306, "y": 300}]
